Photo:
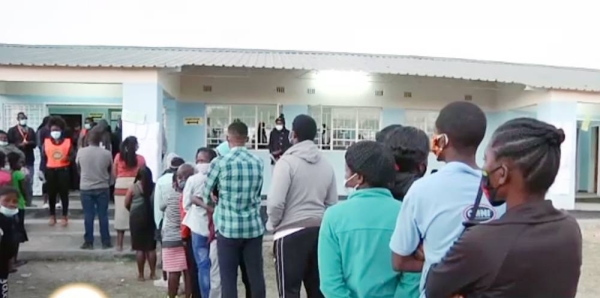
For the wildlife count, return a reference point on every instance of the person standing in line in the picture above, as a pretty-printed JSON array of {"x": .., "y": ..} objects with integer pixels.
[
  {"x": 8, "y": 230},
  {"x": 57, "y": 155},
  {"x": 197, "y": 219},
  {"x": 353, "y": 252},
  {"x": 173, "y": 250},
  {"x": 42, "y": 133},
  {"x": 19, "y": 182},
  {"x": 435, "y": 207},
  {"x": 302, "y": 187},
  {"x": 87, "y": 126},
  {"x": 94, "y": 165},
  {"x": 186, "y": 233},
  {"x": 126, "y": 166},
  {"x": 238, "y": 175},
  {"x": 24, "y": 138},
  {"x": 7, "y": 148},
  {"x": 279, "y": 139},
  {"x": 141, "y": 221},
  {"x": 534, "y": 250}
]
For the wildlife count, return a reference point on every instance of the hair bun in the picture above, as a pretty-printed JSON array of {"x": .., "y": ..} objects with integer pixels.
[{"x": 556, "y": 137}]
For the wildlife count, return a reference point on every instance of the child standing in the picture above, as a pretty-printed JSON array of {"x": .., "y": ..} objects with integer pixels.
[
  {"x": 9, "y": 199},
  {"x": 19, "y": 182}
]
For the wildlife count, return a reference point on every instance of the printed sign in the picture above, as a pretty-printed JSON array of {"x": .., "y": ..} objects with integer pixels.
[
  {"x": 96, "y": 116},
  {"x": 192, "y": 121},
  {"x": 483, "y": 213}
]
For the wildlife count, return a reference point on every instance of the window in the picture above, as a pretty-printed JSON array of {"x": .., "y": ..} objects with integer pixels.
[
  {"x": 424, "y": 120},
  {"x": 259, "y": 118},
  {"x": 341, "y": 127}
]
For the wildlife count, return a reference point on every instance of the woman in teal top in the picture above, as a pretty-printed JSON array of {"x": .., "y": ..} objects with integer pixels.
[{"x": 354, "y": 254}]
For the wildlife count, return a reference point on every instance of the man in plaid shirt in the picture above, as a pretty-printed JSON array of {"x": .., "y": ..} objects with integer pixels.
[{"x": 239, "y": 177}]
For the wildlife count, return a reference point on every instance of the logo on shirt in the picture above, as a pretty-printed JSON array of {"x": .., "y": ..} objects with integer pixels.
[
  {"x": 57, "y": 154},
  {"x": 482, "y": 214}
]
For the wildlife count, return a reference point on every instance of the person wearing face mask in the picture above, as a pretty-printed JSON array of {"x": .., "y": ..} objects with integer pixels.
[
  {"x": 23, "y": 136},
  {"x": 303, "y": 186},
  {"x": 279, "y": 139},
  {"x": 435, "y": 206},
  {"x": 353, "y": 240},
  {"x": 57, "y": 155},
  {"x": 197, "y": 218},
  {"x": 87, "y": 126},
  {"x": 7, "y": 148},
  {"x": 533, "y": 250},
  {"x": 8, "y": 234}
]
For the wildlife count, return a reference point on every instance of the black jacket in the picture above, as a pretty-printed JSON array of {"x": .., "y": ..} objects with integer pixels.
[
  {"x": 8, "y": 243},
  {"x": 532, "y": 251},
  {"x": 279, "y": 140},
  {"x": 15, "y": 137}
]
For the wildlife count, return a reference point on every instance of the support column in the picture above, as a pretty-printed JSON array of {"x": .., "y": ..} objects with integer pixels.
[
  {"x": 145, "y": 102},
  {"x": 561, "y": 112}
]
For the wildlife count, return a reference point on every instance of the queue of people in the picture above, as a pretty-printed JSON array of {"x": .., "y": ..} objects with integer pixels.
[{"x": 464, "y": 231}]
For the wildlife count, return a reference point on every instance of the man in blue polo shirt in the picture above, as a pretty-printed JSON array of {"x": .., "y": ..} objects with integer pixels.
[{"x": 436, "y": 206}]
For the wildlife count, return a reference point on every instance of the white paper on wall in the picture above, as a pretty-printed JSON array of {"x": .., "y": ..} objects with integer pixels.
[
  {"x": 150, "y": 142},
  {"x": 563, "y": 184}
]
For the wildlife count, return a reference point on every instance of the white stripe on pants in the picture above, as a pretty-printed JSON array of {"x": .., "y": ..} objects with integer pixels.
[{"x": 215, "y": 277}]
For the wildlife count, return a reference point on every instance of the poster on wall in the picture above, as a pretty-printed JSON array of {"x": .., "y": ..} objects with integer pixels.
[
  {"x": 192, "y": 121},
  {"x": 563, "y": 184}
]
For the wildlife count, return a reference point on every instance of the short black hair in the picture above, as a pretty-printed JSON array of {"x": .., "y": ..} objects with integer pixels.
[
  {"x": 304, "y": 127},
  {"x": 383, "y": 134},
  {"x": 57, "y": 121},
  {"x": 21, "y": 114},
  {"x": 8, "y": 190},
  {"x": 464, "y": 123},
  {"x": 89, "y": 119},
  {"x": 176, "y": 162},
  {"x": 373, "y": 162},
  {"x": 238, "y": 128},
  {"x": 95, "y": 135},
  {"x": 13, "y": 160},
  {"x": 212, "y": 154},
  {"x": 281, "y": 118},
  {"x": 2, "y": 132},
  {"x": 534, "y": 147}
]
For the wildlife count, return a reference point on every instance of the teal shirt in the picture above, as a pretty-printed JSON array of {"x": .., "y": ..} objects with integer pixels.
[{"x": 355, "y": 260}]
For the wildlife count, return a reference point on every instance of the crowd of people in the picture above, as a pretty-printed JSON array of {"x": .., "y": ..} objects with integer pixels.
[{"x": 463, "y": 231}]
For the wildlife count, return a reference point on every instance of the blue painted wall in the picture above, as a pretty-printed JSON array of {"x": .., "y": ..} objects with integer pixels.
[{"x": 189, "y": 137}]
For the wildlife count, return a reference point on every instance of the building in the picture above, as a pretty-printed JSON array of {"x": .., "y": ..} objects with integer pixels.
[{"x": 195, "y": 93}]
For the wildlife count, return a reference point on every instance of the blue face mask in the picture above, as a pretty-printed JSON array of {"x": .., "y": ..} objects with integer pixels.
[
  {"x": 55, "y": 134},
  {"x": 181, "y": 184},
  {"x": 10, "y": 212}
]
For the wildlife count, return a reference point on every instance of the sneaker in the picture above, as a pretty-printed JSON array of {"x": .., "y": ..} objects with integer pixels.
[
  {"x": 107, "y": 246},
  {"x": 46, "y": 206},
  {"x": 87, "y": 246},
  {"x": 58, "y": 206}
]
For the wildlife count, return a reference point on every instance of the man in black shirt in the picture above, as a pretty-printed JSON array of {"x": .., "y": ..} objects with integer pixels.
[{"x": 24, "y": 138}]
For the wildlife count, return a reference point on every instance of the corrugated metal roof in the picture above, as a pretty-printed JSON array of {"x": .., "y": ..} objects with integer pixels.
[{"x": 539, "y": 76}]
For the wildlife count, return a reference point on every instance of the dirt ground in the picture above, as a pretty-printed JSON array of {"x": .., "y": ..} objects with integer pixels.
[{"x": 118, "y": 279}]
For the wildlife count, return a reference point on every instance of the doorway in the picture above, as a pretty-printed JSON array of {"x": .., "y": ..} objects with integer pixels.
[{"x": 73, "y": 123}]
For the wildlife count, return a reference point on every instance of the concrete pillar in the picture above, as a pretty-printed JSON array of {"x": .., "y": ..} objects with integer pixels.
[
  {"x": 561, "y": 111},
  {"x": 145, "y": 99}
]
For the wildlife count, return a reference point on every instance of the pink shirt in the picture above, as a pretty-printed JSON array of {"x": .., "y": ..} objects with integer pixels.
[{"x": 121, "y": 169}]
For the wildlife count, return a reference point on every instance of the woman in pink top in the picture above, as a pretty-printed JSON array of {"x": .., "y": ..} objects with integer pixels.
[{"x": 127, "y": 163}]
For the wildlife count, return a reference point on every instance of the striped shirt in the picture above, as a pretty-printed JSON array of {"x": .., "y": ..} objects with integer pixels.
[
  {"x": 168, "y": 202},
  {"x": 238, "y": 175}
]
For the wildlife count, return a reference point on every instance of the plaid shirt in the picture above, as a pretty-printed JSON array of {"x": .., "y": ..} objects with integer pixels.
[{"x": 239, "y": 177}]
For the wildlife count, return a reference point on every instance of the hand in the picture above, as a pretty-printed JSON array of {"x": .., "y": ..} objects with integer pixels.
[
  {"x": 214, "y": 198},
  {"x": 420, "y": 254},
  {"x": 42, "y": 177}
]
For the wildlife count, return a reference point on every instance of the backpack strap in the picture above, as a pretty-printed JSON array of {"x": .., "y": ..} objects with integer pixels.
[{"x": 471, "y": 220}]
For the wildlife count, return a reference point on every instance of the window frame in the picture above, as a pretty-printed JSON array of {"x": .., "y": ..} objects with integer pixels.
[
  {"x": 249, "y": 145},
  {"x": 357, "y": 129}
]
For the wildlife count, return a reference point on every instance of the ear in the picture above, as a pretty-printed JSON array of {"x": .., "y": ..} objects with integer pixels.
[{"x": 504, "y": 178}]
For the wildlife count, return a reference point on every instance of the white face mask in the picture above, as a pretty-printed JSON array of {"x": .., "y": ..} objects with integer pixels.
[
  {"x": 350, "y": 190},
  {"x": 55, "y": 134},
  {"x": 87, "y": 126},
  {"x": 3, "y": 143},
  {"x": 202, "y": 168},
  {"x": 23, "y": 122},
  {"x": 279, "y": 127},
  {"x": 9, "y": 211}
]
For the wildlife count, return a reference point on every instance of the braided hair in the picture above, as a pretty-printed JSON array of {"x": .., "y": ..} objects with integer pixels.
[
  {"x": 373, "y": 162},
  {"x": 410, "y": 148},
  {"x": 534, "y": 147}
]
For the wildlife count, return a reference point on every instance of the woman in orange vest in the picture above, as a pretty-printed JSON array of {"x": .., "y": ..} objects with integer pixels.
[{"x": 57, "y": 155}]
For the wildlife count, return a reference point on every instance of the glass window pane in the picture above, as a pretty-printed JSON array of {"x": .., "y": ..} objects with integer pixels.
[
  {"x": 266, "y": 118},
  {"x": 217, "y": 120}
]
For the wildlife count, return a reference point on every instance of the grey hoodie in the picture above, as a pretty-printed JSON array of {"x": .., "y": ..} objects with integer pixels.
[{"x": 302, "y": 187}]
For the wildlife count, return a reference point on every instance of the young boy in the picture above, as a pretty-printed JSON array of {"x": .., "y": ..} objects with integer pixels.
[
  {"x": 19, "y": 182},
  {"x": 9, "y": 200}
]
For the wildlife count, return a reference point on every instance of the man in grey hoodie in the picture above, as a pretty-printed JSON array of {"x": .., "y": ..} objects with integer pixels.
[{"x": 302, "y": 187}]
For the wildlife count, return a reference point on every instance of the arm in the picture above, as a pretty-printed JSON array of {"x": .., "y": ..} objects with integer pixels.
[
  {"x": 43, "y": 159},
  {"x": 280, "y": 185},
  {"x": 156, "y": 204},
  {"x": 406, "y": 237},
  {"x": 333, "y": 284},
  {"x": 187, "y": 195},
  {"x": 77, "y": 163},
  {"x": 271, "y": 142},
  {"x": 129, "y": 198},
  {"x": 23, "y": 186},
  {"x": 332, "y": 194},
  {"x": 211, "y": 180},
  {"x": 464, "y": 265},
  {"x": 31, "y": 139},
  {"x": 162, "y": 204},
  {"x": 12, "y": 139},
  {"x": 115, "y": 167},
  {"x": 72, "y": 152}
]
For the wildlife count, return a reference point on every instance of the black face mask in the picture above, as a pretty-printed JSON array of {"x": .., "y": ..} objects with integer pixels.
[{"x": 490, "y": 191}]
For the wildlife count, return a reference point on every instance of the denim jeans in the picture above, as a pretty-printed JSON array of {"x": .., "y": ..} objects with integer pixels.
[
  {"x": 201, "y": 249},
  {"x": 95, "y": 202}
]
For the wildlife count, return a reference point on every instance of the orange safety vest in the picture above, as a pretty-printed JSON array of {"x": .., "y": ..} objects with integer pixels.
[{"x": 57, "y": 155}]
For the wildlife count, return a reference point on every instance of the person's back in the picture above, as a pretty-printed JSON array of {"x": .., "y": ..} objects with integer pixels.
[{"x": 94, "y": 164}]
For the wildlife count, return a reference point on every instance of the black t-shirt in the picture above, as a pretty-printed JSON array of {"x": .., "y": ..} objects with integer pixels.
[
  {"x": 16, "y": 136},
  {"x": 8, "y": 243}
]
